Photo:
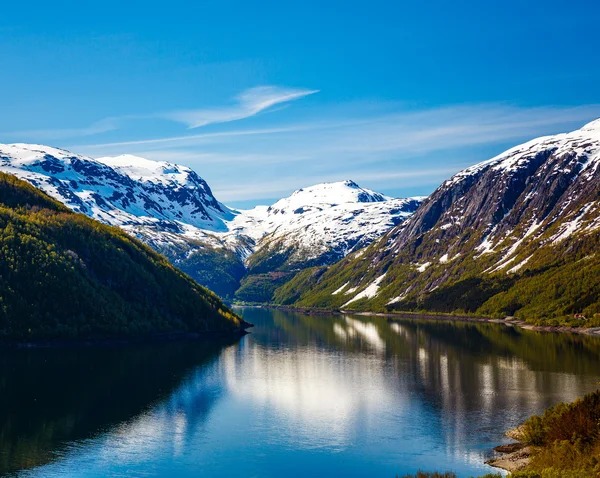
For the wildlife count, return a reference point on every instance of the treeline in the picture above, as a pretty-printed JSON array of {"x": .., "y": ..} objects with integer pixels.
[{"x": 66, "y": 276}]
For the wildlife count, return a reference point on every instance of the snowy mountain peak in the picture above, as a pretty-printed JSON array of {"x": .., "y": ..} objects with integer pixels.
[
  {"x": 125, "y": 191},
  {"x": 29, "y": 154},
  {"x": 545, "y": 186},
  {"x": 592, "y": 126},
  {"x": 340, "y": 192},
  {"x": 582, "y": 144},
  {"x": 142, "y": 169}
]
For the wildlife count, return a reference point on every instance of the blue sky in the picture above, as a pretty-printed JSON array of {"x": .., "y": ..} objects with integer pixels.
[{"x": 262, "y": 98}]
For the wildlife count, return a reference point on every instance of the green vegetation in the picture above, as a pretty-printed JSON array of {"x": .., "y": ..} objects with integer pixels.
[
  {"x": 66, "y": 276},
  {"x": 423, "y": 474},
  {"x": 259, "y": 288},
  {"x": 565, "y": 440},
  {"x": 558, "y": 282},
  {"x": 219, "y": 270},
  {"x": 448, "y": 474},
  {"x": 271, "y": 267},
  {"x": 551, "y": 473}
]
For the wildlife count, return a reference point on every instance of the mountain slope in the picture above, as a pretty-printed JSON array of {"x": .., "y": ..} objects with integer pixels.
[
  {"x": 171, "y": 209},
  {"x": 321, "y": 223},
  {"x": 517, "y": 234},
  {"x": 66, "y": 276},
  {"x": 318, "y": 225}
]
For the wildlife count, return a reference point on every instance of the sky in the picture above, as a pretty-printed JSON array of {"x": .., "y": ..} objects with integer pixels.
[{"x": 262, "y": 98}]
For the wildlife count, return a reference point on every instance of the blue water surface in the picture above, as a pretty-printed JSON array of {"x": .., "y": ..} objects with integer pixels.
[{"x": 300, "y": 396}]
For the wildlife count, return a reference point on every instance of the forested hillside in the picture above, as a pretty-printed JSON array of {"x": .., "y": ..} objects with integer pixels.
[
  {"x": 518, "y": 234},
  {"x": 66, "y": 276}
]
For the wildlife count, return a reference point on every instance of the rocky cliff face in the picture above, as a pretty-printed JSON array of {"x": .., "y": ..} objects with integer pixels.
[{"x": 515, "y": 216}]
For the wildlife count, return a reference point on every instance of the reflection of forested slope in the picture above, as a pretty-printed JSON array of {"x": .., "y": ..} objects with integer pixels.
[
  {"x": 539, "y": 350},
  {"x": 49, "y": 397},
  {"x": 444, "y": 362},
  {"x": 338, "y": 374},
  {"x": 479, "y": 340}
]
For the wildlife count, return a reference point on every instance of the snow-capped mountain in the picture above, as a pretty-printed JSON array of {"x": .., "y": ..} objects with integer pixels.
[
  {"x": 322, "y": 223},
  {"x": 125, "y": 190},
  {"x": 173, "y": 210},
  {"x": 515, "y": 219}
]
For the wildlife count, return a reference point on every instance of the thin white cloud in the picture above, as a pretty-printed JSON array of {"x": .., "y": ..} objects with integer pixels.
[
  {"x": 249, "y": 103},
  {"x": 403, "y": 148},
  {"x": 102, "y": 126},
  {"x": 194, "y": 137},
  {"x": 405, "y": 132}
]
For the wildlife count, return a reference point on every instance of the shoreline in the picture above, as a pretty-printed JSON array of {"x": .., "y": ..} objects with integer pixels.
[
  {"x": 508, "y": 321},
  {"x": 513, "y": 456},
  {"x": 123, "y": 341}
]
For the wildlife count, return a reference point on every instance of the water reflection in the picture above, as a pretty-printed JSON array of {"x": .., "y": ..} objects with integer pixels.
[
  {"x": 301, "y": 396},
  {"x": 52, "y": 398}
]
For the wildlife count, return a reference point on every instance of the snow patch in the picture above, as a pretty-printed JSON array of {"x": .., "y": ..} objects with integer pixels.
[
  {"x": 369, "y": 292},
  {"x": 519, "y": 265},
  {"x": 486, "y": 246},
  {"x": 570, "y": 227},
  {"x": 337, "y": 291}
]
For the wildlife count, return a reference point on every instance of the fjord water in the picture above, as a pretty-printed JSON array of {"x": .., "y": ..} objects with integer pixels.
[{"x": 300, "y": 396}]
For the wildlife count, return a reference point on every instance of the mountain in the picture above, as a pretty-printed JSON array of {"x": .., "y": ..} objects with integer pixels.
[
  {"x": 66, "y": 276},
  {"x": 171, "y": 209},
  {"x": 126, "y": 190},
  {"x": 318, "y": 225},
  {"x": 518, "y": 234},
  {"x": 321, "y": 223}
]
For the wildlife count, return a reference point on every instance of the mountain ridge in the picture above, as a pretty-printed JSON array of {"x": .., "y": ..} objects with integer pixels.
[
  {"x": 172, "y": 209},
  {"x": 489, "y": 240}
]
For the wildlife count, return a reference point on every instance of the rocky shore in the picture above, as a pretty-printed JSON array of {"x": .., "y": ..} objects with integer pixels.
[{"x": 514, "y": 456}]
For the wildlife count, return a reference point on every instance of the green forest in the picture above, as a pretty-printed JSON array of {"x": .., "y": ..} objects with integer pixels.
[
  {"x": 65, "y": 276},
  {"x": 559, "y": 282}
]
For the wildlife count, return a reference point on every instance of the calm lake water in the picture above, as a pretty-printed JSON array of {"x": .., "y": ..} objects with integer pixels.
[{"x": 300, "y": 396}]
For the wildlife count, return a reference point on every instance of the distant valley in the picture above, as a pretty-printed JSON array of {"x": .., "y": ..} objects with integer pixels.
[
  {"x": 514, "y": 235},
  {"x": 239, "y": 254}
]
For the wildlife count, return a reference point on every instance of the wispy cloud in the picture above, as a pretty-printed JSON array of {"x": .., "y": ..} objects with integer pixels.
[
  {"x": 102, "y": 126},
  {"x": 194, "y": 137},
  {"x": 249, "y": 103},
  {"x": 391, "y": 148},
  {"x": 408, "y": 132}
]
